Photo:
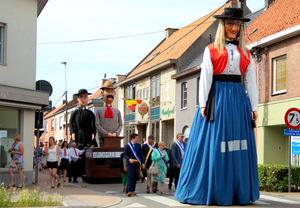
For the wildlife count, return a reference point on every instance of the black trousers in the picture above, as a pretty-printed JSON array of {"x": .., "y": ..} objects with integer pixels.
[{"x": 176, "y": 175}]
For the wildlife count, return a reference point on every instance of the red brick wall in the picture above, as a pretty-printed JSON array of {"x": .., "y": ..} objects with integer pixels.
[{"x": 290, "y": 48}]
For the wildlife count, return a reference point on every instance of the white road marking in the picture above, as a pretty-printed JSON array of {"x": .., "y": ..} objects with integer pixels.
[
  {"x": 281, "y": 200},
  {"x": 136, "y": 205},
  {"x": 164, "y": 200}
]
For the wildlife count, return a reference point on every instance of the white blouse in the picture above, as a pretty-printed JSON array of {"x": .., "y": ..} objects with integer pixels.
[
  {"x": 62, "y": 154},
  {"x": 232, "y": 68},
  {"x": 52, "y": 154}
]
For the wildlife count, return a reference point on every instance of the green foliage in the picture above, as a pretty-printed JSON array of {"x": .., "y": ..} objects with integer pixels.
[
  {"x": 28, "y": 198},
  {"x": 275, "y": 178}
]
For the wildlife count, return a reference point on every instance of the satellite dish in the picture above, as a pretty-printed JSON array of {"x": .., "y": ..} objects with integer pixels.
[{"x": 43, "y": 85}]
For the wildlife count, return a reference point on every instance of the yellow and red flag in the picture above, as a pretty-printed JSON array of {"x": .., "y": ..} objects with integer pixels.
[{"x": 132, "y": 103}]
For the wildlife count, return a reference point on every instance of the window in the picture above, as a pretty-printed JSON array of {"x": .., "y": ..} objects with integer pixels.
[
  {"x": 130, "y": 94},
  {"x": 184, "y": 95},
  {"x": 186, "y": 131},
  {"x": 155, "y": 90},
  {"x": 1, "y": 43},
  {"x": 47, "y": 127},
  {"x": 52, "y": 124},
  {"x": 279, "y": 75},
  {"x": 155, "y": 130},
  {"x": 197, "y": 96},
  {"x": 60, "y": 122},
  {"x": 9, "y": 125}
]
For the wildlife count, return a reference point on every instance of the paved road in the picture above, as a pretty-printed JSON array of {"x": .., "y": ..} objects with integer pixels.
[{"x": 142, "y": 199}]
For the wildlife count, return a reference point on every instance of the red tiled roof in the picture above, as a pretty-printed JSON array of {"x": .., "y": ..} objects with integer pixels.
[
  {"x": 281, "y": 15},
  {"x": 95, "y": 94},
  {"x": 179, "y": 41}
]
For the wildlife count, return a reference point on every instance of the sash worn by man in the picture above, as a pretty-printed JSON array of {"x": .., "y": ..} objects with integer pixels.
[{"x": 134, "y": 158}]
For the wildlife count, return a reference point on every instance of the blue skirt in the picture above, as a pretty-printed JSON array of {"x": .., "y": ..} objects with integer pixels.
[{"x": 220, "y": 161}]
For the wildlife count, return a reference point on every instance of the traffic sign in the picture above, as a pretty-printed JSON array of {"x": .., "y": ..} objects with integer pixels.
[
  {"x": 291, "y": 132},
  {"x": 292, "y": 118}
]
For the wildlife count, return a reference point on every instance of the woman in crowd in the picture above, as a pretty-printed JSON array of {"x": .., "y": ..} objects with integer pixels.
[
  {"x": 53, "y": 161},
  {"x": 160, "y": 158},
  {"x": 40, "y": 154},
  {"x": 17, "y": 161},
  {"x": 44, "y": 158},
  {"x": 124, "y": 172},
  {"x": 64, "y": 160},
  {"x": 220, "y": 162}
]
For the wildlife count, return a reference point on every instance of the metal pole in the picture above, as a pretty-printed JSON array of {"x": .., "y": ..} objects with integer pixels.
[
  {"x": 66, "y": 92},
  {"x": 37, "y": 150},
  {"x": 290, "y": 159}
]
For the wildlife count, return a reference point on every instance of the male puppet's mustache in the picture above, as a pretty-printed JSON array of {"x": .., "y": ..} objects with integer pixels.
[{"x": 108, "y": 96}]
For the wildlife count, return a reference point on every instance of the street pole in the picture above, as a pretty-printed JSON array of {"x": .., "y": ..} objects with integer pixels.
[{"x": 66, "y": 92}]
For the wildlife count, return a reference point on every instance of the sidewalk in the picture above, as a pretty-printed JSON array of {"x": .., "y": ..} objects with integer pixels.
[{"x": 75, "y": 195}]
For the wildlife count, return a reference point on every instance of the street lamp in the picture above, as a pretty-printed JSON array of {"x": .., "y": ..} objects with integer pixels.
[{"x": 65, "y": 63}]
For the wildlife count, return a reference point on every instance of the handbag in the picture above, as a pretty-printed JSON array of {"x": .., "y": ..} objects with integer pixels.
[{"x": 154, "y": 170}]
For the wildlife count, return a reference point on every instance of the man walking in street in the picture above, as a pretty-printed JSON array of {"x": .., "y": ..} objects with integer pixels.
[
  {"x": 74, "y": 168},
  {"x": 134, "y": 159},
  {"x": 177, "y": 153},
  {"x": 148, "y": 148}
]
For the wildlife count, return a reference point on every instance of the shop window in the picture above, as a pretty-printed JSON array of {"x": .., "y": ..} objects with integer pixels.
[
  {"x": 184, "y": 95},
  {"x": 9, "y": 122},
  {"x": 279, "y": 75},
  {"x": 155, "y": 130}
]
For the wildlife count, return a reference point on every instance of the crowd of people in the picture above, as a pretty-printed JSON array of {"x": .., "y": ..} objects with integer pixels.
[{"x": 148, "y": 156}]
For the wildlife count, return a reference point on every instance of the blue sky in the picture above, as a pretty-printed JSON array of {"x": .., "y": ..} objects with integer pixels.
[{"x": 88, "y": 61}]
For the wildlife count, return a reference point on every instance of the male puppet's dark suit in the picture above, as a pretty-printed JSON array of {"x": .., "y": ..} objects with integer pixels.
[
  {"x": 82, "y": 124},
  {"x": 176, "y": 159},
  {"x": 133, "y": 168}
]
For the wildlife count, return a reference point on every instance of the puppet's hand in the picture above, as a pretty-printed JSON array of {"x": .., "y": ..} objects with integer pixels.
[
  {"x": 93, "y": 136},
  {"x": 203, "y": 112},
  {"x": 255, "y": 115},
  {"x": 73, "y": 136},
  {"x": 114, "y": 135}
]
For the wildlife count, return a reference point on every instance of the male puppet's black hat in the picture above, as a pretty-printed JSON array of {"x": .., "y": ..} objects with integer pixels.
[
  {"x": 82, "y": 91},
  {"x": 232, "y": 13}
]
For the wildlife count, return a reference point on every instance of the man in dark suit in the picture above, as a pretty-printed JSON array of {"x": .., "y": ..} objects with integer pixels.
[
  {"x": 177, "y": 152},
  {"x": 148, "y": 148},
  {"x": 134, "y": 158}
]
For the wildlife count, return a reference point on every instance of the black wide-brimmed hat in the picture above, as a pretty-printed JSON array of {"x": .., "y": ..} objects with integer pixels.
[
  {"x": 82, "y": 91},
  {"x": 232, "y": 13}
]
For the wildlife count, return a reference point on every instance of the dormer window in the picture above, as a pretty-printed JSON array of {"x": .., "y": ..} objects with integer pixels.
[{"x": 154, "y": 55}]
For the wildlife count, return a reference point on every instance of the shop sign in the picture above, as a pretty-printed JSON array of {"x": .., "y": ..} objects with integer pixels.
[
  {"x": 143, "y": 108},
  {"x": 3, "y": 133},
  {"x": 107, "y": 154},
  {"x": 168, "y": 112}
]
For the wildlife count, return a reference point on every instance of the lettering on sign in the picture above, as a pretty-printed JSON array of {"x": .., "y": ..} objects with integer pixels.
[
  {"x": 168, "y": 112},
  {"x": 107, "y": 154},
  {"x": 143, "y": 109},
  {"x": 4, "y": 94}
]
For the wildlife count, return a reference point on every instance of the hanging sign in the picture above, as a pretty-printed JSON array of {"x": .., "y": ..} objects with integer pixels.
[{"x": 143, "y": 109}]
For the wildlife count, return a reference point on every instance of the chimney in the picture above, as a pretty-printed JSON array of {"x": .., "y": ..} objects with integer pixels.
[
  {"x": 170, "y": 31},
  {"x": 120, "y": 77},
  {"x": 237, "y": 3},
  {"x": 74, "y": 97},
  {"x": 64, "y": 101}
]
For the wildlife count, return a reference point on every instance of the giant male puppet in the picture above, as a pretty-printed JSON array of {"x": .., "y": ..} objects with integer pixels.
[{"x": 108, "y": 119}]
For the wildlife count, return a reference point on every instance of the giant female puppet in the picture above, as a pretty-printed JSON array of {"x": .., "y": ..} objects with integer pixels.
[{"x": 220, "y": 161}]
